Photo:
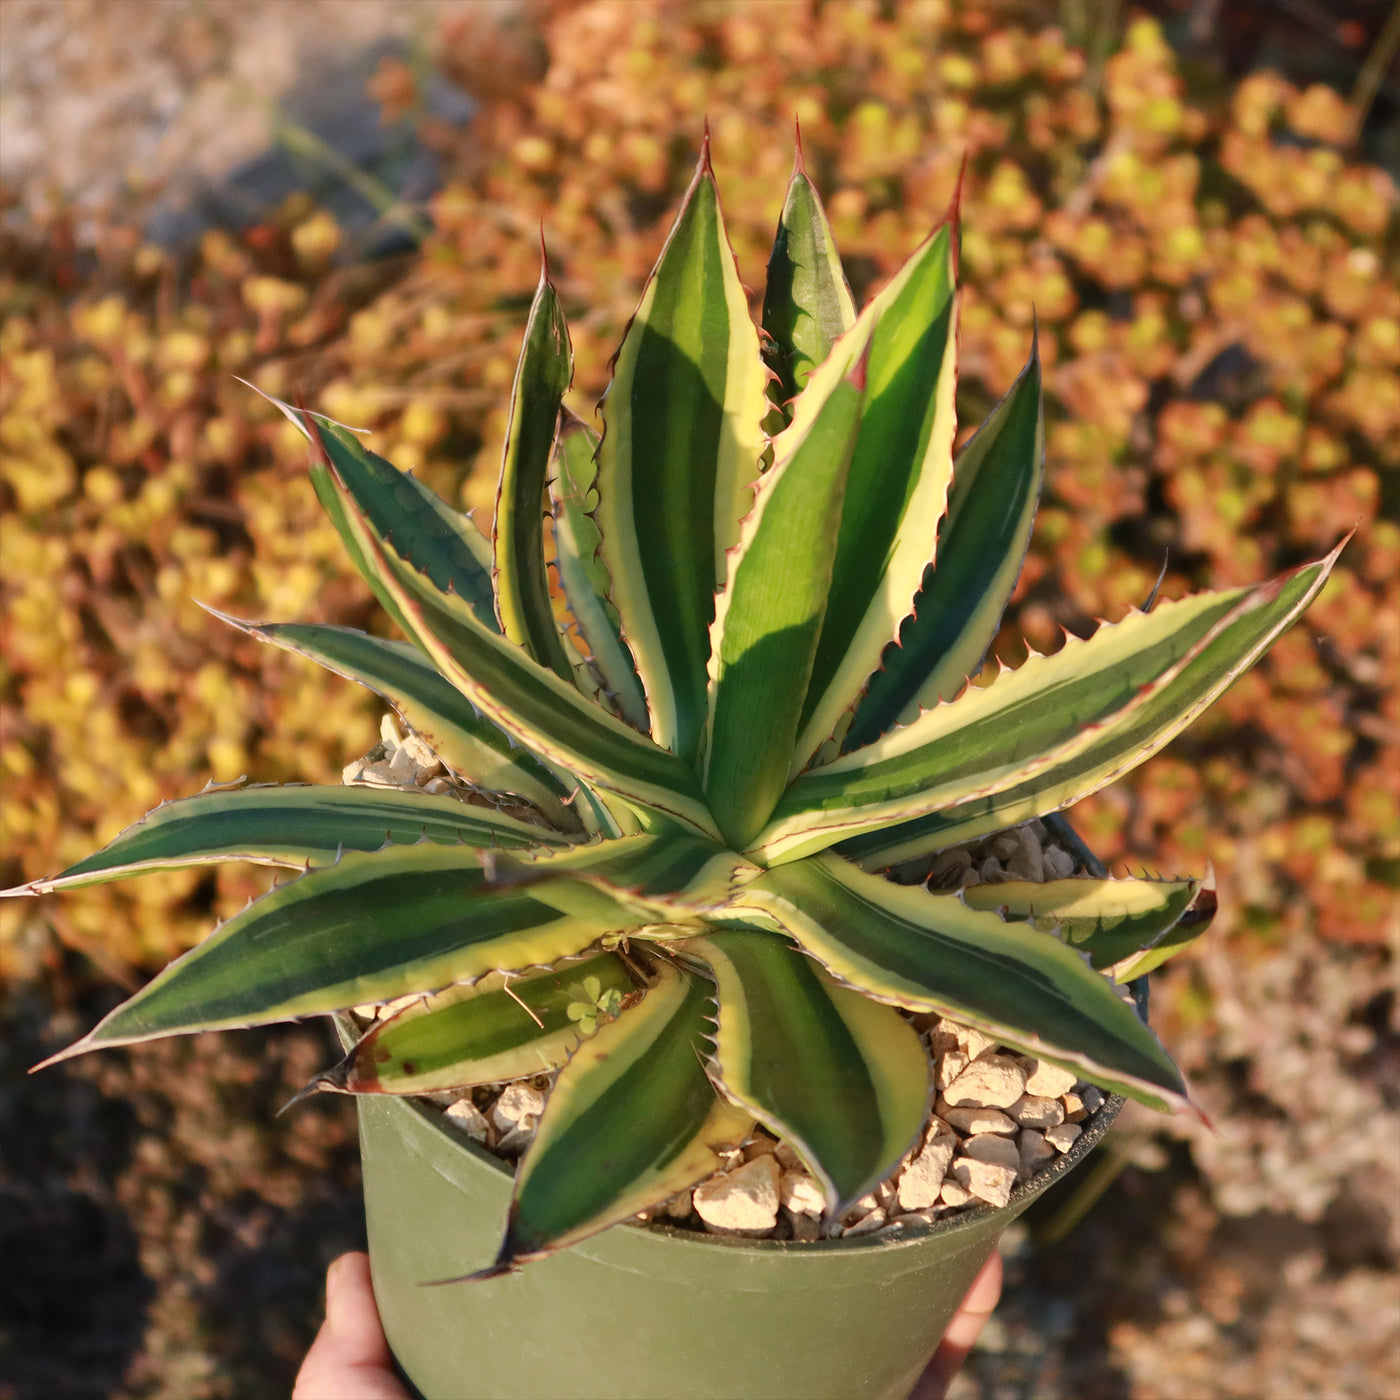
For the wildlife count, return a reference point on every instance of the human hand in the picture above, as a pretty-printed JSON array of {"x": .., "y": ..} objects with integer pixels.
[
  {"x": 350, "y": 1360},
  {"x": 962, "y": 1333}
]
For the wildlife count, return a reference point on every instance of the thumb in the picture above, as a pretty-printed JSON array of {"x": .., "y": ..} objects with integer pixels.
[{"x": 350, "y": 1358}]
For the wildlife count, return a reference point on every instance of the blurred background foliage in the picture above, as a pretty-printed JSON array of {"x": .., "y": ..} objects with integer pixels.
[{"x": 1211, "y": 260}]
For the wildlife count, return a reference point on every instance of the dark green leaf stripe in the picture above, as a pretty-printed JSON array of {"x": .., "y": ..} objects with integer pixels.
[
  {"x": 770, "y": 614},
  {"x": 335, "y": 503},
  {"x": 536, "y": 706},
  {"x": 981, "y": 545},
  {"x": 431, "y": 706},
  {"x": 807, "y": 303},
  {"x": 1117, "y": 747},
  {"x": 522, "y": 586},
  {"x": 1108, "y": 919},
  {"x": 438, "y": 541},
  {"x": 481, "y": 1034},
  {"x": 632, "y": 1119},
  {"x": 932, "y": 953},
  {"x": 375, "y": 926},
  {"x": 897, "y": 486},
  {"x": 310, "y": 425},
  {"x": 843, "y": 1079},
  {"x": 680, "y": 450},
  {"x": 582, "y": 574},
  {"x": 293, "y": 826}
]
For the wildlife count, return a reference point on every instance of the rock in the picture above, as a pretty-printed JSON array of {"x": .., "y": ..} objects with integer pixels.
[
  {"x": 992, "y": 871},
  {"x": 992, "y": 1147},
  {"x": 1004, "y": 845},
  {"x": 760, "y": 1146},
  {"x": 800, "y": 1193},
  {"x": 1035, "y": 1152},
  {"x": 993, "y": 1081},
  {"x": 949, "y": 1067},
  {"x": 973, "y": 1042},
  {"x": 987, "y": 1181},
  {"x": 419, "y": 753},
  {"x": 370, "y": 774},
  {"x": 1047, "y": 1080},
  {"x": 679, "y": 1206},
  {"x": 806, "y": 1228},
  {"x": 983, "y": 1120},
  {"x": 1075, "y": 1112},
  {"x": 1059, "y": 864},
  {"x": 1037, "y": 1111},
  {"x": 1027, "y": 862},
  {"x": 1093, "y": 1098},
  {"x": 516, "y": 1140},
  {"x": 922, "y": 1179},
  {"x": 466, "y": 1117},
  {"x": 518, "y": 1108},
  {"x": 1062, "y": 1137},
  {"x": 954, "y": 1193},
  {"x": 908, "y": 1218},
  {"x": 942, "y": 1037},
  {"x": 787, "y": 1158},
  {"x": 744, "y": 1200},
  {"x": 948, "y": 868},
  {"x": 866, "y": 1224}
]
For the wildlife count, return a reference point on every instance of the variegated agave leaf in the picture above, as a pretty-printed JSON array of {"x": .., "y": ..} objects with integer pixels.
[{"x": 682, "y": 800}]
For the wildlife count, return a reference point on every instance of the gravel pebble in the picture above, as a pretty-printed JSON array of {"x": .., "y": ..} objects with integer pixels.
[
  {"x": 987, "y": 1181},
  {"x": 954, "y": 1193},
  {"x": 465, "y": 1116},
  {"x": 1035, "y": 1152},
  {"x": 1047, "y": 1080},
  {"x": 981, "y": 1120},
  {"x": 1063, "y": 1137},
  {"x": 799, "y": 1192},
  {"x": 1037, "y": 1111},
  {"x": 992, "y": 1147},
  {"x": 949, "y": 1067},
  {"x": 866, "y": 1223},
  {"x": 993, "y": 1081},
  {"x": 743, "y": 1201},
  {"x": 518, "y": 1108},
  {"x": 974, "y": 1042},
  {"x": 922, "y": 1179}
]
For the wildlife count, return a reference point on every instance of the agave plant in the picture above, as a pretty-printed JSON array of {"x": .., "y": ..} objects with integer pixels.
[{"x": 680, "y": 774}]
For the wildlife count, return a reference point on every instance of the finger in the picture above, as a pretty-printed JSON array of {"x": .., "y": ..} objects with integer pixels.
[
  {"x": 350, "y": 1358},
  {"x": 962, "y": 1332}
]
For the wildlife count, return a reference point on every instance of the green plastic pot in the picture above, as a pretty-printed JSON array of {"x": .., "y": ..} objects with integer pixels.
[{"x": 650, "y": 1312}]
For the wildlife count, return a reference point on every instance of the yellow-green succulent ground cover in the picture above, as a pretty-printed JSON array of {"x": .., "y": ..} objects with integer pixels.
[{"x": 1220, "y": 326}]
